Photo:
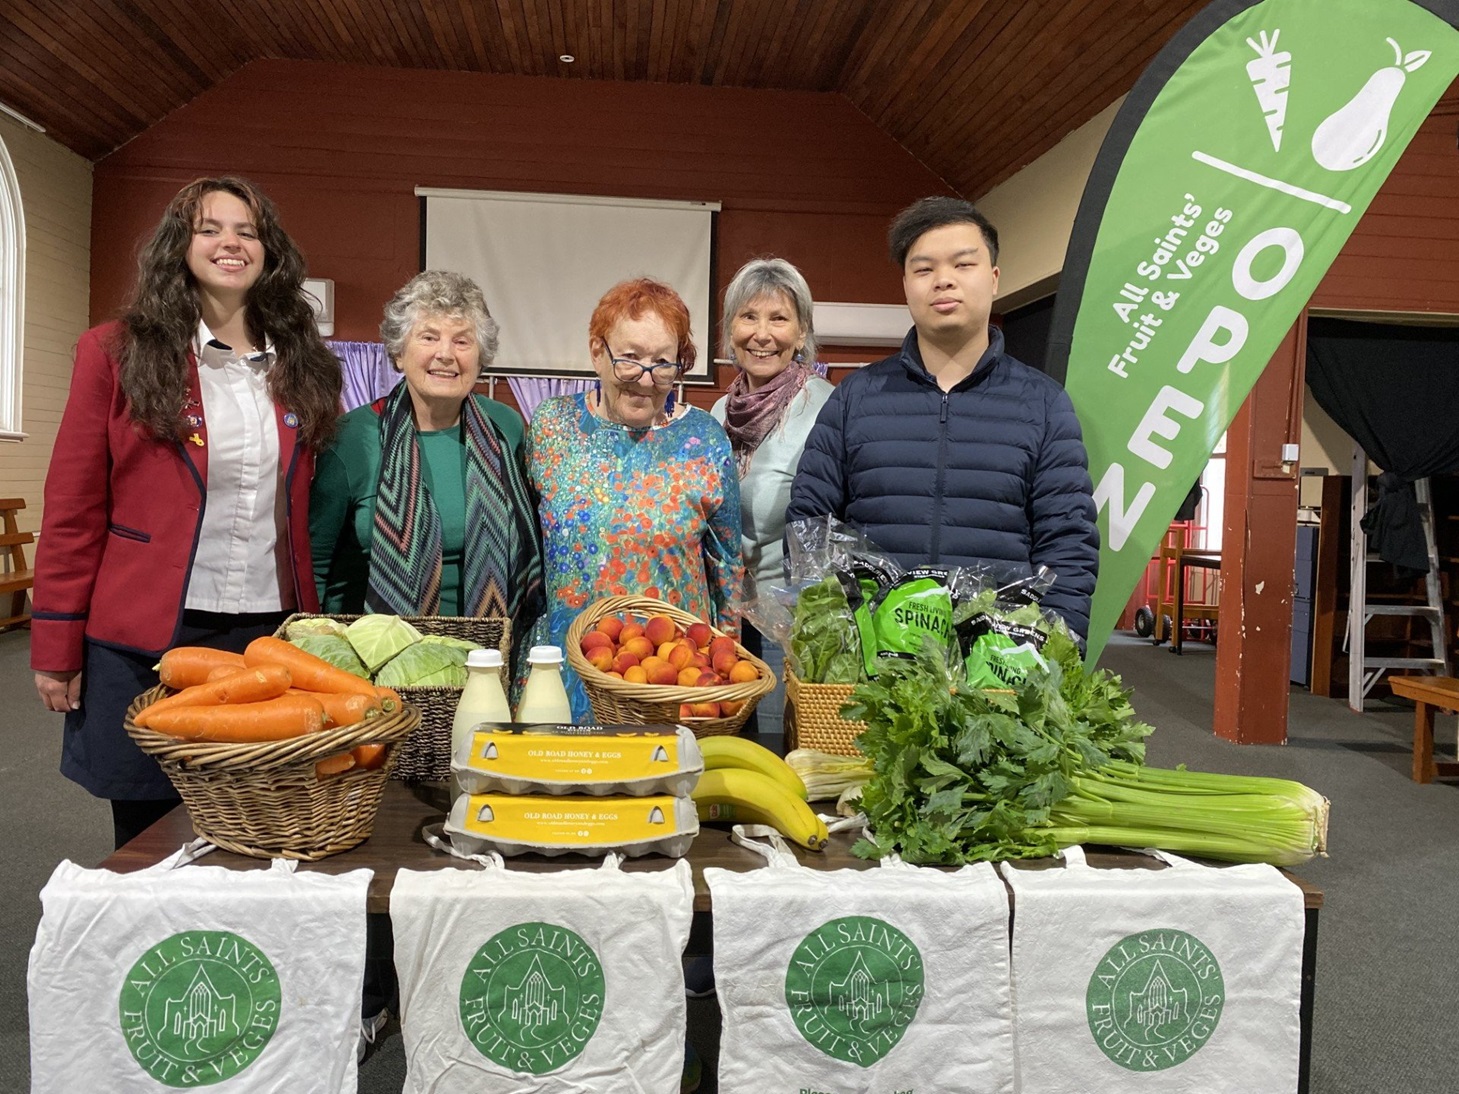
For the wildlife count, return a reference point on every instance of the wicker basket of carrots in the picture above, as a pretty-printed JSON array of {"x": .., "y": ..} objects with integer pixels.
[{"x": 275, "y": 753}]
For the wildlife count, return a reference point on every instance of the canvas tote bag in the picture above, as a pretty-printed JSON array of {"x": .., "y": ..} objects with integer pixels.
[
  {"x": 1183, "y": 980},
  {"x": 876, "y": 981},
  {"x": 567, "y": 982},
  {"x": 170, "y": 979}
]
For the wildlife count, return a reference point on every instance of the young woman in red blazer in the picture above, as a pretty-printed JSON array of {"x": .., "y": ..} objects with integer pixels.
[{"x": 177, "y": 499}]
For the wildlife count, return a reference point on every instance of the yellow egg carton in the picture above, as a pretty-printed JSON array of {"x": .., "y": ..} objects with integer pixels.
[
  {"x": 515, "y": 824},
  {"x": 589, "y": 759}
]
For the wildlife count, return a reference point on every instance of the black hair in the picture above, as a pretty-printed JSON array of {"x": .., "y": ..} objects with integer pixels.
[{"x": 922, "y": 216}]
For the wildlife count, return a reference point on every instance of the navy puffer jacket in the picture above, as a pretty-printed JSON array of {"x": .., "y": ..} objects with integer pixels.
[{"x": 992, "y": 471}]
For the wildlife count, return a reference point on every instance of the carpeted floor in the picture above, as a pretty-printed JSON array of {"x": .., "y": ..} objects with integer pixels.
[{"x": 1386, "y": 986}]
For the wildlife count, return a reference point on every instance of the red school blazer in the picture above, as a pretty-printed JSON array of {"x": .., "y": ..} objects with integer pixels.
[{"x": 122, "y": 517}]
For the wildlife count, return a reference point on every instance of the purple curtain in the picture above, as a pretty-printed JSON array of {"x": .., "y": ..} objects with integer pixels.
[
  {"x": 368, "y": 373},
  {"x": 531, "y": 390}
]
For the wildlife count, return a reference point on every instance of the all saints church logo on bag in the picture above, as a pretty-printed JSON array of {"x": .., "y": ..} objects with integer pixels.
[
  {"x": 1155, "y": 999},
  {"x": 532, "y": 997},
  {"x": 199, "y": 1007},
  {"x": 853, "y": 986}
]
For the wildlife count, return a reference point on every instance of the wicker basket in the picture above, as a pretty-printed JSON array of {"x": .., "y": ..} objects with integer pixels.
[
  {"x": 618, "y": 702},
  {"x": 427, "y": 755},
  {"x": 813, "y": 717},
  {"x": 264, "y": 798}
]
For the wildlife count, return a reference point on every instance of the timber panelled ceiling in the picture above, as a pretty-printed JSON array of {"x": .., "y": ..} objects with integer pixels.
[{"x": 974, "y": 89}]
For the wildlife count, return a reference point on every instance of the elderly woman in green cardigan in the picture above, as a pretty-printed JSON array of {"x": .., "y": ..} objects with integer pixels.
[{"x": 421, "y": 505}]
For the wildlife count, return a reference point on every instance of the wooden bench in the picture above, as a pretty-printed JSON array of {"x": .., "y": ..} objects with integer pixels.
[
  {"x": 16, "y": 577},
  {"x": 1429, "y": 694}
]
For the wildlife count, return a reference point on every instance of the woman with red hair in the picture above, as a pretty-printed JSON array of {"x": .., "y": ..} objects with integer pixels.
[{"x": 639, "y": 496}]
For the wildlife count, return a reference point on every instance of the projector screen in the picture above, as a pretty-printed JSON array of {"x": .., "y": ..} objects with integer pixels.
[{"x": 544, "y": 260}]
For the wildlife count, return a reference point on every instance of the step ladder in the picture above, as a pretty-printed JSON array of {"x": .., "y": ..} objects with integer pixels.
[{"x": 1364, "y": 671}]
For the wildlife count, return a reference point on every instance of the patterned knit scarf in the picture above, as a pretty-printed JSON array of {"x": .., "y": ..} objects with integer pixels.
[
  {"x": 750, "y": 416},
  {"x": 502, "y": 557}
]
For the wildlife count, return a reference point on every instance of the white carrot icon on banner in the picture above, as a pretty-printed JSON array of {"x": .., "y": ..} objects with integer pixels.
[
  {"x": 1353, "y": 135},
  {"x": 1270, "y": 74}
]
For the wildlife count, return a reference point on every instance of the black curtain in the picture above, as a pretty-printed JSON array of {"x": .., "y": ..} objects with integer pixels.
[{"x": 1395, "y": 390}]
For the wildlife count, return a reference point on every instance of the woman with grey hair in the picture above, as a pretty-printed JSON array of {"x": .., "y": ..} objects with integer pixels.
[
  {"x": 771, "y": 404},
  {"x": 421, "y": 505}
]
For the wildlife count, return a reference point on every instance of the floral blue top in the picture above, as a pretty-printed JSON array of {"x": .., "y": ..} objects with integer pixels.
[{"x": 627, "y": 512}]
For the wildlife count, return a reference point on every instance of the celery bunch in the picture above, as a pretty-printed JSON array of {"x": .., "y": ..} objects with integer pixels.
[
  {"x": 1233, "y": 818},
  {"x": 965, "y": 774}
]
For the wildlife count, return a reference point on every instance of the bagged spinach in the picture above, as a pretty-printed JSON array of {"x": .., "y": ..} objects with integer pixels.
[{"x": 1004, "y": 630}]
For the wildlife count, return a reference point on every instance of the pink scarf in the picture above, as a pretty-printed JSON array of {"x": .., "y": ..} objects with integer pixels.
[{"x": 750, "y": 416}]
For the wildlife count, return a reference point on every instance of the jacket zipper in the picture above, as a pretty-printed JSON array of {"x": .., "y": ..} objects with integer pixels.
[{"x": 936, "y": 546}]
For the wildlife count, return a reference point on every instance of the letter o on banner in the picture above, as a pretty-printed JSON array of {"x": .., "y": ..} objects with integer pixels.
[{"x": 1241, "y": 277}]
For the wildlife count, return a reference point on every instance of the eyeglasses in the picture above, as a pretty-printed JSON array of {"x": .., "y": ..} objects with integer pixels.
[{"x": 630, "y": 369}]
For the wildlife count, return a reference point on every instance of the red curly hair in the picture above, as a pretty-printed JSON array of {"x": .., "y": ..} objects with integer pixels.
[{"x": 630, "y": 299}]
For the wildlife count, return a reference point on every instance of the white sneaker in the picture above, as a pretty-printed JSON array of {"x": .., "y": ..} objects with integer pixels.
[{"x": 370, "y": 1029}]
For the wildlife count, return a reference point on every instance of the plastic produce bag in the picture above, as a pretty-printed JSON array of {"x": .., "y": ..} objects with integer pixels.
[
  {"x": 525, "y": 983},
  {"x": 179, "y": 978},
  {"x": 1177, "y": 981},
  {"x": 874, "y": 981}
]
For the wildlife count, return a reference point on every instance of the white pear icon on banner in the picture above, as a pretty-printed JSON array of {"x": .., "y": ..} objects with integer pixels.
[{"x": 1352, "y": 135}]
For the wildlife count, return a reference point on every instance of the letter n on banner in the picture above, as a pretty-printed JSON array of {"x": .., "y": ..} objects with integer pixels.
[{"x": 1230, "y": 180}]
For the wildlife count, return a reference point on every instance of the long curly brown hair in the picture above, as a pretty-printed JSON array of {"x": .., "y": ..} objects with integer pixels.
[{"x": 159, "y": 324}]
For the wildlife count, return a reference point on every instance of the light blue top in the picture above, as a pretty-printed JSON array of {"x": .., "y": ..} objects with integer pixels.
[{"x": 765, "y": 486}]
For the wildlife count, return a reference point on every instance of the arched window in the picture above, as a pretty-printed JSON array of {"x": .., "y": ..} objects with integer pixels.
[{"x": 12, "y": 297}]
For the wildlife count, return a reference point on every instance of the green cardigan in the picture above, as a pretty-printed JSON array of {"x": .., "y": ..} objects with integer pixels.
[{"x": 342, "y": 501}]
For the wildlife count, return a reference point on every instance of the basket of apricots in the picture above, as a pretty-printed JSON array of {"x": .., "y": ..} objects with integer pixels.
[{"x": 645, "y": 662}]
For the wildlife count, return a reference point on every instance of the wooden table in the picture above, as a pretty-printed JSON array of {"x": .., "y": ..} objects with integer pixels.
[
  {"x": 1182, "y": 560},
  {"x": 1429, "y": 694},
  {"x": 396, "y": 842}
]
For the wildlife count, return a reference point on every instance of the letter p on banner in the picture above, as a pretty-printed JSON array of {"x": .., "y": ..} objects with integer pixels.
[{"x": 1231, "y": 178}]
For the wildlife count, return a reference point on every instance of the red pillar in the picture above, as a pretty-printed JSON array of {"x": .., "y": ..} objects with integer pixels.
[{"x": 1258, "y": 544}]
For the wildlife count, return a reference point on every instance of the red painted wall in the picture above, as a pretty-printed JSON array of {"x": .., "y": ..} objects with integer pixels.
[
  {"x": 341, "y": 148},
  {"x": 1401, "y": 256}
]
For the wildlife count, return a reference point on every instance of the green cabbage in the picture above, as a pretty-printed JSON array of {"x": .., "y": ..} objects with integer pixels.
[
  {"x": 317, "y": 625},
  {"x": 378, "y": 638},
  {"x": 424, "y": 665},
  {"x": 336, "y": 651},
  {"x": 453, "y": 643}
]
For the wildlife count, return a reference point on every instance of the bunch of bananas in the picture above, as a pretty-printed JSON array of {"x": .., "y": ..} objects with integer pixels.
[{"x": 746, "y": 783}]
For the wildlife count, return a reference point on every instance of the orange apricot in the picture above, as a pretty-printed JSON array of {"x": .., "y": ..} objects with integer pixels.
[
  {"x": 699, "y": 634},
  {"x": 639, "y": 646},
  {"x": 610, "y": 625},
  {"x": 663, "y": 673},
  {"x": 624, "y": 661},
  {"x": 635, "y": 674},
  {"x": 679, "y": 654},
  {"x": 660, "y": 629},
  {"x": 689, "y": 678},
  {"x": 743, "y": 672},
  {"x": 631, "y": 629},
  {"x": 723, "y": 661},
  {"x": 601, "y": 658},
  {"x": 593, "y": 640}
]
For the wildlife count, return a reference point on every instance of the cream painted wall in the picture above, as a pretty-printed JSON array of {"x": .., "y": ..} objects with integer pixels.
[
  {"x": 55, "y": 194},
  {"x": 1034, "y": 213}
]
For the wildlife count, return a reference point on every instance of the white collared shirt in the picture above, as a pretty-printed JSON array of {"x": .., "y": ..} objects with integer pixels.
[{"x": 238, "y": 567}]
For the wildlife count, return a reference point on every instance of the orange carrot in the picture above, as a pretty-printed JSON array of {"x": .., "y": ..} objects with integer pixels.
[
  {"x": 224, "y": 670},
  {"x": 272, "y": 720},
  {"x": 186, "y": 666},
  {"x": 246, "y": 686},
  {"x": 309, "y": 672},
  {"x": 370, "y": 757},
  {"x": 342, "y": 709},
  {"x": 334, "y": 765}
]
